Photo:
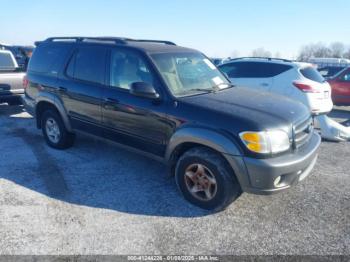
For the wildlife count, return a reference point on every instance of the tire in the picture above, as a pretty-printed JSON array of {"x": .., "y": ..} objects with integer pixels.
[
  {"x": 189, "y": 176},
  {"x": 64, "y": 139}
]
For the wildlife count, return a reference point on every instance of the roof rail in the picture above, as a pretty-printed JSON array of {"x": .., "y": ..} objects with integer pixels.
[
  {"x": 153, "y": 41},
  {"x": 257, "y": 57},
  {"x": 115, "y": 40}
]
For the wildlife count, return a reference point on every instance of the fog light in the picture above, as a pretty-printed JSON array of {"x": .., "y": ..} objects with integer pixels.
[{"x": 277, "y": 181}]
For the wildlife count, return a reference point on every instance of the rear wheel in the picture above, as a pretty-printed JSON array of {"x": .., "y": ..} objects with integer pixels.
[
  {"x": 206, "y": 180},
  {"x": 54, "y": 131}
]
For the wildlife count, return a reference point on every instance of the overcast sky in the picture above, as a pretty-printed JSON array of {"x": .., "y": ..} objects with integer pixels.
[{"x": 217, "y": 28}]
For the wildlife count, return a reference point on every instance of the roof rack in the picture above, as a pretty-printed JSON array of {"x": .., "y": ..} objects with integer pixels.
[
  {"x": 257, "y": 57},
  {"x": 114, "y": 40}
]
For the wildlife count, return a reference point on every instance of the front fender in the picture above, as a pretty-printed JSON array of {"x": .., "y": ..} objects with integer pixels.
[
  {"x": 205, "y": 137},
  {"x": 219, "y": 142}
]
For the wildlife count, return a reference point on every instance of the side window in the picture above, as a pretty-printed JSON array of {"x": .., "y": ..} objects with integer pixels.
[
  {"x": 127, "y": 67},
  {"x": 6, "y": 61},
  {"x": 231, "y": 70},
  {"x": 276, "y": 69},
  {"x": 48, "y": 58},
  {"x": 88, "y": 64},
  {"x": 262, "y": 69}
]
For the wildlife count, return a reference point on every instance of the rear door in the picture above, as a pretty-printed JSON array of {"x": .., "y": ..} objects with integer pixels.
[{"x": 80, "y": 87}]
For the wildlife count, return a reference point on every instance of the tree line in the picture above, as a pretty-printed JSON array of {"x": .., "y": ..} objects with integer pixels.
[
  {"x": 334, "y": 50},
  {"x": 316, "y": 50}
]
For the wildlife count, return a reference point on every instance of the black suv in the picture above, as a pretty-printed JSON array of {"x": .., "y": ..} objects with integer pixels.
[{"x": 171, "y": 103}]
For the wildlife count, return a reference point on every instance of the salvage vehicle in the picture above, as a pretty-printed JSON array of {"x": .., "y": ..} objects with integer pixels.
[
  {"x": 298, "y": 81},
  {"x": 340, "y": 84},
  {"x": 173, "y": 104},
  {"x": 11, "y": 79}
]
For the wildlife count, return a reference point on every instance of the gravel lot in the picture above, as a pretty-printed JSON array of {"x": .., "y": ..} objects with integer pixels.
[{"x": 97, "y": 199}]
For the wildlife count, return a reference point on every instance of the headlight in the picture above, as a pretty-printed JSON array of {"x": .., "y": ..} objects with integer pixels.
[{"x": 266, "y": 142}]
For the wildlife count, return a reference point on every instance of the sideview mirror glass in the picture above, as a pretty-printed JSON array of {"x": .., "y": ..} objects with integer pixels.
[{"x": 143, "y": 89}]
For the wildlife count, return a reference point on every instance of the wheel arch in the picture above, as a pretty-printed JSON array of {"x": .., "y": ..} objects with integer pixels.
[
  {"x": 45, "y": 101},
  {"x": 187, "y": 138}
]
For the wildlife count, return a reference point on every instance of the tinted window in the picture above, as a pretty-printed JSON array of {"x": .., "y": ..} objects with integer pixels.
[
  {"x": 48, "y": 58},
  {"x": 330, "y": 71},
  {"x": 312, "y": 74},
  {"x": 6, "y": 61},
  {"x": 254, "y": 69},
  {"x": 88, "y": 64},
  {"x": 128, "y": 67},
  {"x": 229, "y": 69}
]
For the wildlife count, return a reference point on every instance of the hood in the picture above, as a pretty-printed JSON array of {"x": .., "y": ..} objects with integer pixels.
[{"x": 265, "y": 110}]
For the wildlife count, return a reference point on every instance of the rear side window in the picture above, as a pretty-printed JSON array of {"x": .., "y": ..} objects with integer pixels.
[
  {"x": 312, "y": 74},
  {"x": 88, "y": 64},
  {"x": 6, "y": 61},
  {"x": 48, "y": 59},
  {"x": 254, "y": 69}
]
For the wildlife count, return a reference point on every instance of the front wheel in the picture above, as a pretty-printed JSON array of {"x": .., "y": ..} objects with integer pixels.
[
  {"x": 54, "y": 130},
  {"x": 205, "y": 179}
]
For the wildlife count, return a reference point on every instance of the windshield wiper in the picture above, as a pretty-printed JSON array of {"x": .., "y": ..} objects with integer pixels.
[
  {"x": 214, "y": 89},
  {"x": 207, "y": 90}
]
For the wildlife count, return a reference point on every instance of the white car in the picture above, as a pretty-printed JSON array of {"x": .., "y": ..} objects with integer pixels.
[{"x": 299, "y": 81}]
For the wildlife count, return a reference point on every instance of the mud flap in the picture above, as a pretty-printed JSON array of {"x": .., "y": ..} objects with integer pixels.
[{"x": 332, "y": 130}]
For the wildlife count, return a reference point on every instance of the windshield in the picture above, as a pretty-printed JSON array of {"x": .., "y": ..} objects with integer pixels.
[{"x": 189, "y": 73}]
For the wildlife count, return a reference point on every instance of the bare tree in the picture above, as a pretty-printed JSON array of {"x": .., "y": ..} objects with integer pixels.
[
  {"x": 306, "y": 52},
  {"x": 347, "y": 53},
  {"x": 314, "y": 50},
  {"x": 261, "y": 52},
  {"x": 338, "y": 49},
  {"x": 322, "y": 51}
]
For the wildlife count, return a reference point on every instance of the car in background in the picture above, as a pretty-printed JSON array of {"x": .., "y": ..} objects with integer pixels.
[
  {"x": 328, "y": 61},
  {"x": 340, "y": 84},
  {"x": 21, "y": 54},
  {"x": 330, "y": 71},
  {"x": 299, "y": 81},
  {"x": 11, "y": 78}
]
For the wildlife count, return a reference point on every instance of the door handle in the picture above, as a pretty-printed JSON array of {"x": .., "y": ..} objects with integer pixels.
[{"x": 264, "y": 84}]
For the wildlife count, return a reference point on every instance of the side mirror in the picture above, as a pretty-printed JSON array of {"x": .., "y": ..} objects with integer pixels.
[{"x": 143, "y": 89}]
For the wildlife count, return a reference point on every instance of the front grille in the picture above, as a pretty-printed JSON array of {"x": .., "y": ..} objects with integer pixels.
[{"x": 302, "y": 132}]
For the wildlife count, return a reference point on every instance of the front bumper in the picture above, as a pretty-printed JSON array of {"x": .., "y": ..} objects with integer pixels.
[{"x": 293, "y": 167}]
